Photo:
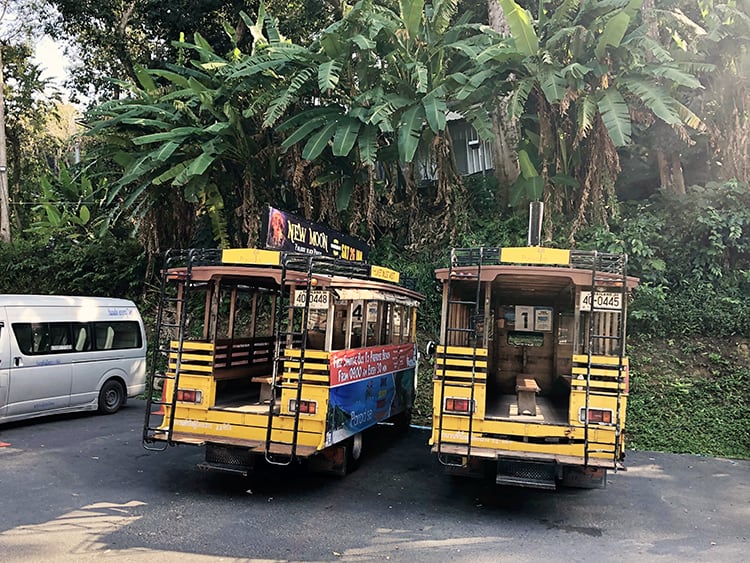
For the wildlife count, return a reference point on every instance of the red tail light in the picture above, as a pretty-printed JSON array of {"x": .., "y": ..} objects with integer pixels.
[
  {"x": 189, "y": 395},
  {"x": 453, "y": 404},
  {"x": 600, "y": 416},
  {"x": 305, "y": 407}
]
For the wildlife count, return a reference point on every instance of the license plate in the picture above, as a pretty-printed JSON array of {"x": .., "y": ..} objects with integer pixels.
[
  {"x": 603, "y": 300},
  {"x": 318, "y": 299}
]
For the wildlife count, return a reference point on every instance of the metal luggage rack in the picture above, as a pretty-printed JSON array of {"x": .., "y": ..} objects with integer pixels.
[
  {"x": 603, "y": 262},
  {"x": 321, "y": 265}
]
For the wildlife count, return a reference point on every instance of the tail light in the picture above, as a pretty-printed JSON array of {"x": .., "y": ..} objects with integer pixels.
[
  {"x": 453, "y": 404},
  {"x": 189, "y": 395},
  {"x": 596, "y": 416},
  {"x": 305, "y": 407}
]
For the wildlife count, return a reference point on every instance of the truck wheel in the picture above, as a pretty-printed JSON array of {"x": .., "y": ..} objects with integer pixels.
[
  {"x": 111, "y": 397},
  {"x": 353, "y": 452}
]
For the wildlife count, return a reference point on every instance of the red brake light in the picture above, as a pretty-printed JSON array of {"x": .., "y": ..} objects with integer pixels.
[
  {"x": 305, "y": 407},
  {"x": 601, "y": 416},
  {"x": 458, "y": 405},
  {"x": 189, "y": 395}
]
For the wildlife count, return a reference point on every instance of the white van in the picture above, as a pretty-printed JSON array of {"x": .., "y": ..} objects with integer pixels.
[{"x": 63, "y": 354}]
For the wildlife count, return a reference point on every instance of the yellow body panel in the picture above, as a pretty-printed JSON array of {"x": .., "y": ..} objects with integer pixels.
[
  {"x": 459, "y": 362},
  {"x": 309, "y": 354},
  {"x": 535, "y": 255},
  {"x": 599, "y": 360},
  {"x": 461, "y": 351},
  {"x": 253, "y": 256}
]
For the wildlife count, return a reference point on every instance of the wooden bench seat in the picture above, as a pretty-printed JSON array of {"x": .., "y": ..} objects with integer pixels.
[{"x": 526, "y": 388}]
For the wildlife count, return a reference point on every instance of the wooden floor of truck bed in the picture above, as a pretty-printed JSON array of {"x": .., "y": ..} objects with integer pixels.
[{"x": 504, "y": 407}]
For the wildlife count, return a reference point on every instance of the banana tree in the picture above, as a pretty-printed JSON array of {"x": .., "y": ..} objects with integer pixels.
[
  {"x": 377, "y": 87},
  {"x": 187, "y": 137},
  {"x": 589, "y": 71}
]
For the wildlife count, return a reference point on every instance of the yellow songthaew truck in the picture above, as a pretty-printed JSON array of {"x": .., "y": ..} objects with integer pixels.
[
  {"x": 531, "y": 376},
  {"x": 279, "y": 356}
]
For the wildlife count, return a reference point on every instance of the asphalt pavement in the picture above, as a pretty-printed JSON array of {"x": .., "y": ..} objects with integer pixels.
[{"x": 82, "y": 488}]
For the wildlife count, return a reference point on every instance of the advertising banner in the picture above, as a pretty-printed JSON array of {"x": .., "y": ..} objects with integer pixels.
[
  {"x": 285, "y": 231},
  {"x": 347, "y": 366},
  {"x": 363, "y": 403}
]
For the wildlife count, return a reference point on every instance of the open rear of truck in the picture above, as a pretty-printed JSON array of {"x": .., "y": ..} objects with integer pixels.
[{"x": 531, "y": 376}]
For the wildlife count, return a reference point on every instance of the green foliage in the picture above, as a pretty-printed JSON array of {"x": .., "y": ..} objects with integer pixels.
[
  {"x": 690, "y": 398},
  {"x": 106, "y": 267},
  {"x": 692, "y": 254},
  {"x": 583, "y": 85},
  {"x": 71, "y": 206}
]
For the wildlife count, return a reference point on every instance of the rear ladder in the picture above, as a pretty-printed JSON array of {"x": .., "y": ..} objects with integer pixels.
[
  {"x": 171, "y": 318},
  {"x": 295, "y": 269},
  {"x": 463, "y": 261},
  {"x": 608, "y": 271}
]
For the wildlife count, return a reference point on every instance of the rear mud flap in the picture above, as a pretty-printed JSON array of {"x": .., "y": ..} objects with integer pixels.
[
  {"x": 332, "y": 460},
  {"x": 584, "y": 477}
]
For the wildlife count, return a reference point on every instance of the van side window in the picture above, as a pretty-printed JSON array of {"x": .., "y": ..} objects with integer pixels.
[
  {"x": 56, "y": 338},
  {"x": 24, "y": 337},
  {"x": 43, "y": 338},
  {"x": 117, "y": 335}
]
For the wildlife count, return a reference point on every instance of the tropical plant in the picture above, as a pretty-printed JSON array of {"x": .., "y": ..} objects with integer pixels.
[
  {"x": 71, "y": 205},
  {"x": 377, "y": 87},
  {"x": 590, "y": 71},
  {"x": 187, "y": 134}
]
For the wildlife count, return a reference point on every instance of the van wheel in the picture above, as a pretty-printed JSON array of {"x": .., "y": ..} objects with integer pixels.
[
  {"x": 111, "y": 397},
  {"x": 353, "y": 452}
]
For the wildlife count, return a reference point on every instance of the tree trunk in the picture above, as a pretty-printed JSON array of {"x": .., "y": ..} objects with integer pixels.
[
  {"x": 4, "y": 199},
  {"x": 504, "y": 157},
  {"x": 664, "y": 173},
  {"x": 671, "y": 176},
  {"x": 678, "y": 178}
]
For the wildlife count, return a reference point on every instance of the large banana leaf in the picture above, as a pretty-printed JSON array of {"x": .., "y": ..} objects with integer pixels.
[
  {"x": 368, "y": 144},
  {"x": 328, "y": 75},
  {"x": 586, "y": 108},
  {"x": 528, "y": 170},
  {"x": 654, "y": 98},
  {"x": 410, "y": 132},
  {"x": 194, "y": 168},
  {"x": 521, "y": 28},
  {"x": 615, "y": 28},
  {"x": 316, "y": 143},
  {"x": 345, "y": 137},
  {"x": 175, "y": 134},
  {"x": 552, "y": 84},
  {"x": 435, "y": 109},
  {"x": 411, "y": 14},
  {"x": 616, "y": 116},
  {"x": 303, "y": 131},
  {"x": 165, "y": 151}
]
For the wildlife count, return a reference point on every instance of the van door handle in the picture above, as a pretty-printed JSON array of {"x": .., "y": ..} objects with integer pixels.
[{"x": 17, "y": 361}]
